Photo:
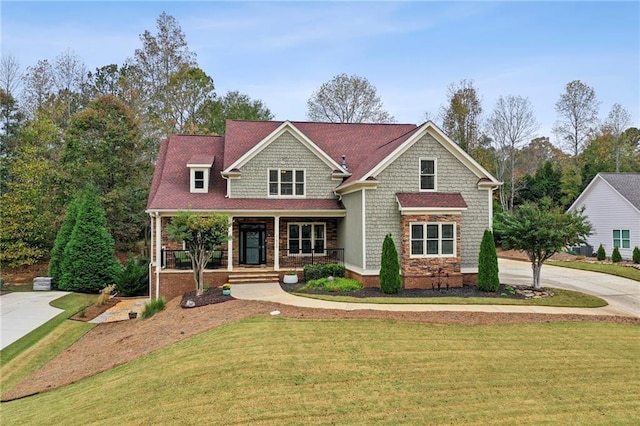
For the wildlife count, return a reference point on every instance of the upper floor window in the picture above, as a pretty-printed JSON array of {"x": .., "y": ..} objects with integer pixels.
[
  {"x": 433, "y": 239},
  {"x": 286, "y": 182},
  {"x": 427, "y": 174},
  {"x": 621, "y": 238},
  {"x": 199, "y": 180}
]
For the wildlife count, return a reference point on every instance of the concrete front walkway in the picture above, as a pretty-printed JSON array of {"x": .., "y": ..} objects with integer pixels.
[{"x": 22, "y": 312}]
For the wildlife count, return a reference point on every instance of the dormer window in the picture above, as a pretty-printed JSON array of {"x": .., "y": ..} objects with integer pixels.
[{"x": 199, "y": 168}]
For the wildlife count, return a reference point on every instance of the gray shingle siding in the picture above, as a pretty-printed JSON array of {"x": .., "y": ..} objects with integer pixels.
[
  {"x": 383, "y": 215},
  {"x": 286, "y": 152},
  {"x": 350, "y": 229}
]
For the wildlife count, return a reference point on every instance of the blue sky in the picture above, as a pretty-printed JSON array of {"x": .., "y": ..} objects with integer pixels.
[{"x": 281, "y": 52}]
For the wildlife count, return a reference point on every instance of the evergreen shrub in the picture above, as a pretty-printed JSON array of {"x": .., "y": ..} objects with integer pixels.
[
  {"x": 488, "y": 279},
  {"x": 616, "y": 256},
  {"x": 636, "y": 255},
  {"x": 601, "y": 254},
  {"x": 390, "y": 281},
  {"x": 133, "y": 278}
]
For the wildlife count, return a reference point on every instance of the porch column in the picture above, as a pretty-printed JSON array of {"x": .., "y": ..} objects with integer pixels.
[
  {"x": 230, "y": 245},
  {"x": 276, "y": 243},
  {"x": 158, "y": 238}
]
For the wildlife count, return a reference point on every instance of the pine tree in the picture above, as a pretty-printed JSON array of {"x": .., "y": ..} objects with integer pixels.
[
  {"x": 601, "y": 254},
  {"x": 488, "y": 279},
  {"x": 89, "y": 264},
  {"x": 62, "y": 239},
  {"x": 390, "y": 281}
]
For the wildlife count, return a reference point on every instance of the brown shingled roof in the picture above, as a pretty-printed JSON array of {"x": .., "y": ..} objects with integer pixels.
[{"x": 431, "y": 200}]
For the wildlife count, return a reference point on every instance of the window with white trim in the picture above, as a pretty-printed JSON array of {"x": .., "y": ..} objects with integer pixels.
[
  {"x": 286, "y": 182},
  {"x": 621, "y": 238},
  {"x": 199, "y": 180},
  {"x": 427, "y": 174},
  {"x": 307, "y": 238},
  {"x": 433, "y": 239}
]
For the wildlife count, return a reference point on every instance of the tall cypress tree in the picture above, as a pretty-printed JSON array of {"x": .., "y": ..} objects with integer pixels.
[
  {"x": 488, "y": 279},
  {"x": 390, "y": 281},
  {"x": 89, "y": 264},
  {"x": 62, "y": 239}
]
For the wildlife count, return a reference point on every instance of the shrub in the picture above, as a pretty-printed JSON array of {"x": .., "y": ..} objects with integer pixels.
[
  {"x": 636, "y": 255},
  {"x": 601, "y": 254},
  {"x": 62, "y": 239},
  {"x": 488, "y": 279},
  {"x": 89, "y": 264},
  {"x": 153, "y": 307},
  {"x": 615, "y": 255},
  {"x": 390, "y": 281},
  {"x": 133, "y": 278},
  {"x": 334, "y": 285},
  {"x": 314, "y": 272}
]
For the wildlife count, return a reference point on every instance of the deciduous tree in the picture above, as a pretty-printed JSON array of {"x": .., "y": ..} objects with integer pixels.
[
  {"x": 200, "y": 234},
  {"x": 577, "y": 111},
  {"x": 347, "y": 99},
  {"x": 461, "y": 115},
  {"x": 233, "y": 106},
  {"x": 617, "y": 122},
  {"x": 540, "y": 231},
  {"x": 511, "y": 124}
]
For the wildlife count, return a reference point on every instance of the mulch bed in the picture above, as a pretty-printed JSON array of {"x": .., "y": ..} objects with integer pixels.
[
  {"x": 465, "y": 291},
  {"x": 92, "y": 311},
  {"x": 209, "y": 297}
]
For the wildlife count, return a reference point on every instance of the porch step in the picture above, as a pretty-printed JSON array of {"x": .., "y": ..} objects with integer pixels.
[{"x": 263, "y": 277}]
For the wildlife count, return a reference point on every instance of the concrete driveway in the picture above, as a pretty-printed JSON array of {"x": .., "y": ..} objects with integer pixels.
[
  {"x": 622, "y": 294},
  {"x": 22, "y": 312}
]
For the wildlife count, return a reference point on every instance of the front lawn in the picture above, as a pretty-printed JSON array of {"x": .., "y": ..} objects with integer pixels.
[{"x": 275, "y": 371}]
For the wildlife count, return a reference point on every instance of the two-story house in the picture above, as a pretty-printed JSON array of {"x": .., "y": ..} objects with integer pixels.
[{"x": 301, "y": 192}]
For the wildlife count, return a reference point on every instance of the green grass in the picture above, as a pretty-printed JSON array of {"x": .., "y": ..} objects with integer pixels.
[
  {"x": 276, "y": 371},
  {"x": 605, "y": 268},
  {"x": 71, "y": 303},
  {"x": 336, "y": 284},
  {"x": 17, "y": 288},
  {"x": 563, "y": 298}
]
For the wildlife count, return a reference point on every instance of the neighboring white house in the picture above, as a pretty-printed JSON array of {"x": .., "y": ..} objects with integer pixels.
[{"x": 612, "y": 205}]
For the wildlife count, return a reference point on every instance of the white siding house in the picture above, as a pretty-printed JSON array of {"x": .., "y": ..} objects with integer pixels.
[{"x": 612, "y": 205}]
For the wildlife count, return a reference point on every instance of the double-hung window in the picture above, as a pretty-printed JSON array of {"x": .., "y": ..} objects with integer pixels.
[
  {"x": 433, "y": 239},
  {"x": 427, "y": 174},
  {"x": 286, "y": 182},
  {"x": 621, "y": 238},
  {"x": 198, "y": 179},
  {"x": 307, "y": 238}
]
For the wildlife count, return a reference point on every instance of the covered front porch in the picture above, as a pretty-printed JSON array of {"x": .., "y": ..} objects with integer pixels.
[{"x": 264, "y": 247}]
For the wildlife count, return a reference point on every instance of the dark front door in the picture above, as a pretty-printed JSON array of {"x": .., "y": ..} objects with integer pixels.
[{"x": 253, "y": 249}]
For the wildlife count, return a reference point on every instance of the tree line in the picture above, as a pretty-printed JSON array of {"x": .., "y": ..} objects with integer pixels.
[{"x": 63, "y": 127}]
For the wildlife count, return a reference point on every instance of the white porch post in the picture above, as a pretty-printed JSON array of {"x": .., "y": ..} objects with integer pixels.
[
  {"x": 230, "y": 245},
  {"x": 158, "y": 238},
  {"x": 276, "y": 243}
]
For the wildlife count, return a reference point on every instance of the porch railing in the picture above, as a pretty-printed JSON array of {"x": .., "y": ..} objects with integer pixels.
[
  {"x": 178, "y": 259},
  {"x": 289, "y": 258},
  {"x": 296, "y": 259}
]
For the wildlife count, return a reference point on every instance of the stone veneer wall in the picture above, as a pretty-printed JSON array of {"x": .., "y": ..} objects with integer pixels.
[{"x": 429, "y": 272}]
